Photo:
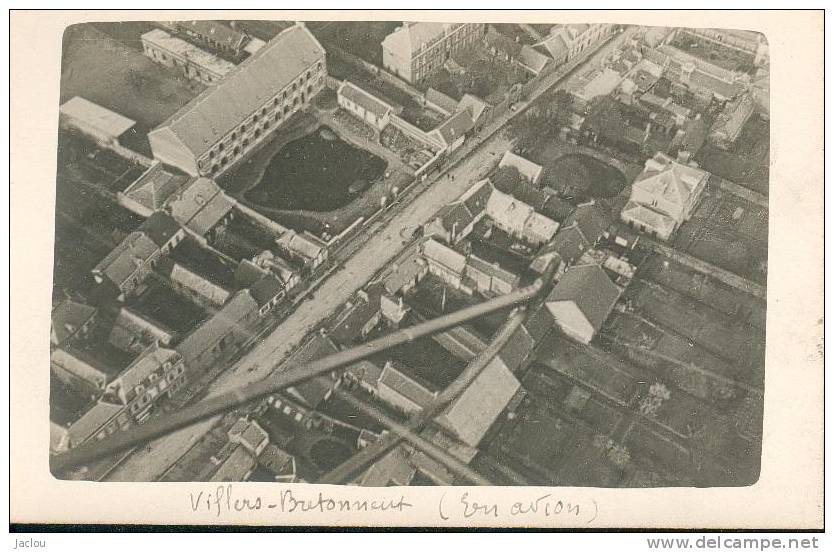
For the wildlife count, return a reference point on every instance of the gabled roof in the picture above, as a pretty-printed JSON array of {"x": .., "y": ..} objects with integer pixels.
[
  {"x": 590, "y": 289},
  {"x": 248, "y": 273},
  {"x": 350, "y": 322},
  {"x": 475, "y": 198},
  {"x": 368, "y": 101},
  {"x": 516, "y": 349},
  {"x": 231, "y": 315},
  {"x": 473, "y": 104},
  {"x": 591, "y": 220},
  {"x": 249, "y": 432},
  {"x": 194, "y": 281},
  {"x": 392, "y": 469},
  {"x": 529, "y": 170},
  {"x": 494, "y": 270},
  {"x": 67, "y": 318},
  {"x": 440, "y": 254},
  {"x": 199, "y": 204},
  {"x": 184, "y": 49},
  {"x": 316, "y": 390},
  {"x": 454, "y": 127},
  {"x": 441, "y": 100},
  {"x": 477, "y": 408},
  {"x": 236, "y": 466},
  {"x": 93, "y": 115},
  {"x": 67, "y": 361},
  {"x": 140, "y": 369},
  {"x": 539, "y": 227},
  {"x": 92, "y": 421},
  {"x": 155, "y": 186},
  {"x": 662, "y": 223},
  {"x": 532, "y": 59},
  {"x": 304, "y": 244},
  {"x": 557, "y": 45},
  {"x": 160, "y": 227},
  {"x": 222, "y": 107},
  {"x": 214, "y": 30},
  {"x": 505, "y": 210},
  {"x": 365, "y": 371},
  {"x": 127, "y": 257},
  {"x": 405, "y": 272},
  {"x": 406, "y": 386}
]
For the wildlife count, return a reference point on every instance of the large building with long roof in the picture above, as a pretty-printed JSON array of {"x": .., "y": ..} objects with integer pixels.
[{"x": 231, "y": 119}]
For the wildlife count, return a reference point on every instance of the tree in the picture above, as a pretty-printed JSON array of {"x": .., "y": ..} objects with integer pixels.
[{"x": 508, "y": 180}]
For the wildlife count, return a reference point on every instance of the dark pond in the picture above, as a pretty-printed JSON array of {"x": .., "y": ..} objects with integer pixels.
[{"x": 319, "y": 172}]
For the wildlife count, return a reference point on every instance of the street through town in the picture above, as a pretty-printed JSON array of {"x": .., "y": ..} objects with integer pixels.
[{"x": 152, "y": 460}]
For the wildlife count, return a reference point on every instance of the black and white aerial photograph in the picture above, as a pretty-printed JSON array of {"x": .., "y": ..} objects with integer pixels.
[{"x": 410, "y": 253}]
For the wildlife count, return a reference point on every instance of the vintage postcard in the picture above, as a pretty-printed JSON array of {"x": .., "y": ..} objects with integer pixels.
[{"x": 535, "y": 269}]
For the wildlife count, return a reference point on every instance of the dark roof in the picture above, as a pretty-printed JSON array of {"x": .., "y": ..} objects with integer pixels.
[
  {"x": 537, "y": 324},
  {"x": 590, "y": 289},
  {"x": 266, "y": 289},
  {"x": 591, "y": 219},
  {"x": 315, "y": 390},
  {"x": 248, "y": 273},
  {"x": 351, "y": 322},
  {"x": 517, "y": 348},
  {"x": 476, "y": 201},
  {"x": 217, "y": 111},
  {"x": 570, "y": 243},
  {"x": 492, "y": 269},
  {"x": 160, "y": 228},
  {"x": 454, "y": 217},
  {"x": 456, "y": 126},
  {"x": 231, "y": 316},
  {"x": 406, "y": 386}
]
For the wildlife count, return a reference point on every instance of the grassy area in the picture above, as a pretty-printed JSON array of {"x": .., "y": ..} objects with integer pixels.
[
  {"x": 747, "y": 163},
  {"x": 582, "y": 178},
  {"x": 118, "y": 77},
  {"x": 360, "y": 38},
  {"x": 709, "y": 50}
]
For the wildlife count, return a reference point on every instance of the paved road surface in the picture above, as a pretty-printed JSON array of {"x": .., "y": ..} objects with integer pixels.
[{"x": 149, "y": 463}]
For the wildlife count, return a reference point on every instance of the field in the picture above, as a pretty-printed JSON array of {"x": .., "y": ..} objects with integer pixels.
[
  {"x": 362, "y": 39},
  {"x": 726, "y": 57},
  {"x": 118, "y": 77}
]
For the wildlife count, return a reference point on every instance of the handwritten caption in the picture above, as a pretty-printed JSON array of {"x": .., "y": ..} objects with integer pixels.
[{"x": 453, "y": 505}]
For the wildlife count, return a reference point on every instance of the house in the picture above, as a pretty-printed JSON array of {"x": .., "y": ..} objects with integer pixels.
[
  {"x": 455, "y": 221},
  {"x": 214, "y": 35},
  {"x": 519, "y": 220},
  {"x": 526, "y": 168},
  {"x": 234, "y": 463},
  {"x": 441, "y": 102},
  {"x": 591, "y": 220},
  {"x": 702, "y": 77},
  {"x": 267, "y": 293},
  {"x": 566, "y": 248},
  {"x": 314, "y": 391},
  {"x": 565, "y": 42},
  {"x": 364, "y": 106},
  {"x": 71, "y": 320},
  {"x": 393, "y": 469},
  {"x": 364, "y": 374},
  {"x": 229, "y": 120},
  {"x": 533, "y": 60},
  {"x": 249, "y": 435},
  {"x": 201, "y": 206},
  {"x": 416, "y": 50},
  {"x": 490, "y": 279},
  {"x": 100, "y": 421},
  {"x": 158, "y": 372},
  {"x": 399, "y": 390},
  {"x": 479, "y": 110},
  {"x": 131, "y": 332},
  {"x": 359, "y": 317},
  {"x": 445, "y": 263},
  {"x": 475, "y": 410},
  {"x": 194, "y": 63},
  {"x": 752, "y": 42},
  {"x": 405, "y": 273},
  {"x": 149, "y": 193},
  {"x": 77, "y": 373},
  {"x": 289, "y": 275},
  {"x": 519, "y": 347},
  {"x": 581, "y": 301},
  {"x": 663, "y": 196},
  {"x": 195, "y": 286},
  {"x": 728, "y": 125},
  {"x": 278, "y": 462},
  {"x": 453, "y": 131},
  {"x": 102, "y": 125},
  {"x": 306, "y": 247},
  {"x": 223, "y": 332},
  {"x": 599, "y": 82}
]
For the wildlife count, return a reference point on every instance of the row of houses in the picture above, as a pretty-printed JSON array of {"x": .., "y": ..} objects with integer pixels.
[{"x": 518, "y": 219}]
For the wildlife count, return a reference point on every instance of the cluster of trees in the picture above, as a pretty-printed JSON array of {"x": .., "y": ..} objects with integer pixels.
[{"x": 543, "y": 121}]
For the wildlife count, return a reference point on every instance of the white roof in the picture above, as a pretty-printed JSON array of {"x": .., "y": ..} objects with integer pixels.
[
  {"x": 441, "y": 254},
  {"x": 93, "y": 115},
  {"x": 531, "y": 171},
  {"x": 507, "y": 211}
]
